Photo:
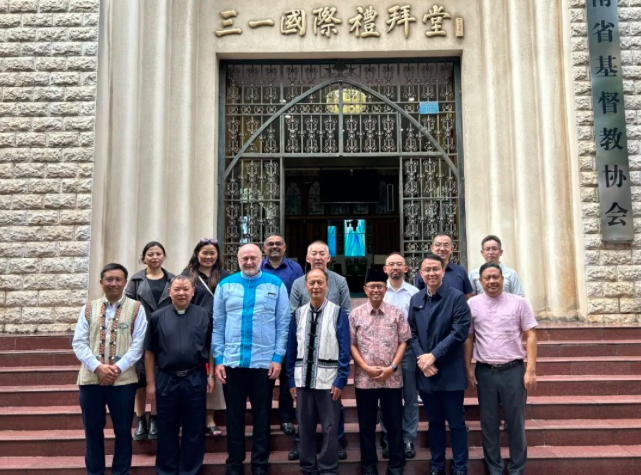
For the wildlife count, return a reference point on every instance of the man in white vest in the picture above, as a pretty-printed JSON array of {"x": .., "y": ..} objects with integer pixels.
[
  {"x": 318, "y": 356},
  {"x": 108, "y": 342}
]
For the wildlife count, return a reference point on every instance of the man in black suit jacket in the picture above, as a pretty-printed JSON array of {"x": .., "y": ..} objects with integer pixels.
[{"x": 439, "y": 318}]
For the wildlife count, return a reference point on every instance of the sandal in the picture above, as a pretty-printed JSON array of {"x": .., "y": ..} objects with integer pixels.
[{"x": 214, "y": 431}]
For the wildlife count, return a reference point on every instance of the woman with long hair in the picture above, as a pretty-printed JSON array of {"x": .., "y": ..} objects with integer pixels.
[
  {"x": 150, "y": 287},
  {"x": 205, "y": 268}
]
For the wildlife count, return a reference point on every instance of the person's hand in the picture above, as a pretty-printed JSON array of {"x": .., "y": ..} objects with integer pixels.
[
  {"x": 471, "y": 378},
  {"x": 274, "y": 370},
  {"x": 430, "y": 371},
  {"x": 292, "y": 391},
  {"x": 336, "y": 393},
  {"x": 529, "y": 380},
  {"x": 373, "y": 371},
  {"x": 221, "y": 375},
  {"x": 107, "y": 374},
  {"x": 425, "y": 360},
  {"x": 385, "y": 374},
  {"x": 151, "y": 391},
  {"x": 211, "y": 384}
]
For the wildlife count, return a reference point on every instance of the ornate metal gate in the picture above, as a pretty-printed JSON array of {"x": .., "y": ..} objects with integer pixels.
[{"x": 273, "y": 111}]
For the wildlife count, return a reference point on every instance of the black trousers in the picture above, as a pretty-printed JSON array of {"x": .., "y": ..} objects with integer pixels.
[
  {"x": 181, "y": 402},
  {"x": 286, "y": 412},
  {"x": 503, "y": 389},
  {"x": 391, "y": 402},
  {"x": 120, "y": 401},
  {"x": 243, "y": 383}
]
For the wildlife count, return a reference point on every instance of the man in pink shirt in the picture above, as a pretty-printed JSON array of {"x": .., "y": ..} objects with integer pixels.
[
  {"x": 500, "y": 322},
  {"x": 378, "y": 334}
]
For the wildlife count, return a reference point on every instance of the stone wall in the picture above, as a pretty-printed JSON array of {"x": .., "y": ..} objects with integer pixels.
[
  {"x": 48, "y": 64},
  {"x": 613, "y": 272},
  {"x": 48, "y": 74}
]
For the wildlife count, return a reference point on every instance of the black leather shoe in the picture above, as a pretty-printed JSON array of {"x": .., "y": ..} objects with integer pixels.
[
  {"x": 294, "y": 454},
  {"x": 153, "y": 428},
  {"x": 436, "y": 472},
  {"x": 342, "y": 453},
  {"x": 141, "y": 431},
  {"x": 410, "y": 451},
  {"x": 288, "y": 428}
]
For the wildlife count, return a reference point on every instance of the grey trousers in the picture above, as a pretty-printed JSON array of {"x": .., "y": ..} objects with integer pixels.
[
  {"x": 503, "y": 388},
  {"x": 310, "y": 405},
  {"x": 410, "y": 399}
]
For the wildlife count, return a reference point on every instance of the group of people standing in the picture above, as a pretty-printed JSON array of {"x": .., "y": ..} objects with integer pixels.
[{"x": 214, "y": 341}]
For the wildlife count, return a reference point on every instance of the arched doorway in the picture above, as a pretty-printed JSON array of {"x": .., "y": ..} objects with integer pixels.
[{"x": 399, "y": 118}]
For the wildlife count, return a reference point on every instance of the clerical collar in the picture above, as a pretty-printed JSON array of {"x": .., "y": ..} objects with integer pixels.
[{"x": 181, "y": 312}]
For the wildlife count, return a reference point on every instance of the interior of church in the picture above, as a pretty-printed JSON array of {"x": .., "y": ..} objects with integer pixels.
[{"x": 354, "y": 210}]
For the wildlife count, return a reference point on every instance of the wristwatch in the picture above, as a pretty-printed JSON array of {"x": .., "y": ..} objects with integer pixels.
[{"x": 394, "y": 367}]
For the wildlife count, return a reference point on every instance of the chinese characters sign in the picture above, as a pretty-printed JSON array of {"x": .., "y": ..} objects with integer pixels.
[
  {"x": 609, "y": 122},
  {"x": 362, "y": 22}
]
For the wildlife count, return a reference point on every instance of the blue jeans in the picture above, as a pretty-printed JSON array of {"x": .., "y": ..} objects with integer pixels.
[
  {"x": 439, "y": 407},
  {"x": 410, "y": 398}
]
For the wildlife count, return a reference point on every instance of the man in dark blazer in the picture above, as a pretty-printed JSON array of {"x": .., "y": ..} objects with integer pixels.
[{"x": 439, "y": 319}]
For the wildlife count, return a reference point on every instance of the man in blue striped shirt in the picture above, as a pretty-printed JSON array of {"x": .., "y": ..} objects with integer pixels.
[{"x": 251, "y": 322}]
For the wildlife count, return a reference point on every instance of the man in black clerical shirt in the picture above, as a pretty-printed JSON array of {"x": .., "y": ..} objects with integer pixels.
[{"x": 177, "y": 347}]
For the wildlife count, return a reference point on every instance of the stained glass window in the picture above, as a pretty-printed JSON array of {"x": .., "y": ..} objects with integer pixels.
[
  {"x": 354, "y": 238},
  {"x": 331, "y": 240}
]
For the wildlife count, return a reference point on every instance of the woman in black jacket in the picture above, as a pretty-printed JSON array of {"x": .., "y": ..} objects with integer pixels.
[
  {"x": 151, "y": 288},
  {"x": 205, "y": 268}
]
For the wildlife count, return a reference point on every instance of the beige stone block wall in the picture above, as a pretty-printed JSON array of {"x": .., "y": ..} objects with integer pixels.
[
  {"x": 613, "y": 271},
  {"x": 48, "y": 65}
]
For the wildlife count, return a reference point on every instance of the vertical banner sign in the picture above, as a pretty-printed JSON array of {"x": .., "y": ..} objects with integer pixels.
[{"x": 609, "y": 122}]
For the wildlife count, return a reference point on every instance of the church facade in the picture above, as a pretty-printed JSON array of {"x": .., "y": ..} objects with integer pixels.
[{"x": 370, "y": 126}]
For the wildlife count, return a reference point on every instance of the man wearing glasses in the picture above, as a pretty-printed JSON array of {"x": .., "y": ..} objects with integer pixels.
[
  {"x": 251, "y": 322},
  {"x": 378, "y": 334},
  {"x": 399, "y": 294},
  {"x": 455, "y": 275},
  {"x": 439, "y": 318},
  {"x": 288, "y": 271},
  {"x": 108, "y": 341}
]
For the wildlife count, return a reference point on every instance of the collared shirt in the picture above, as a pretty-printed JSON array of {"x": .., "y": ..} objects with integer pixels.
[
  {"x": 337, "y": 292},
  {"x": 455, "y": 276},
  {"x": 377, "y": 334},
  {"x": 180, "y": 340},
  {"x": 440, "y": 325},
  {"x": 251, "y": 321},
  {"x": 400, "y": 298},
  {"x": 344, "y": 350},
  {"x": 82, "y": 348},
  {"x": 498, "y": 325},
  {"x": 511, "y": 281},
  {"x": 288, "y": 271}
]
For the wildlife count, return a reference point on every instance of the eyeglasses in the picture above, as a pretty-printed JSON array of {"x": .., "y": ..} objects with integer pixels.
[
  {"x": 395, "y": 264},
  {"x": 209, "y": 241},
  {"x": 375, "y": 287}
]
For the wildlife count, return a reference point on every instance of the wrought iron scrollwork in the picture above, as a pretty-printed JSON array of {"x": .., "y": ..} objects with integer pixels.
[{"x": 340, "y": 119}]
